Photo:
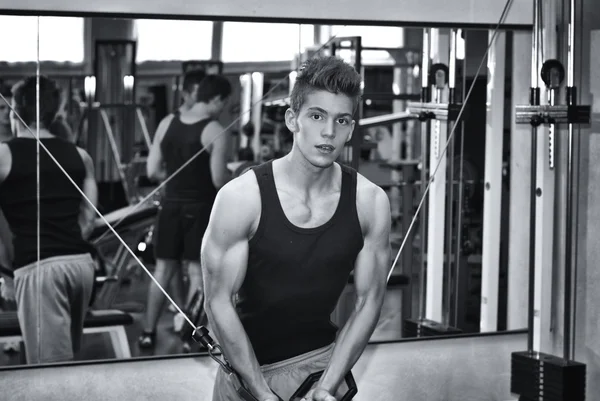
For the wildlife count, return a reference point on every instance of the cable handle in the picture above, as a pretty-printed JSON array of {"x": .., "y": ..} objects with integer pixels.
[{"x": 201, "y": 335}]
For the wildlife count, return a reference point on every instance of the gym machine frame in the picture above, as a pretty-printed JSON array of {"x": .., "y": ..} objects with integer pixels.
[
  {"x": 433, "y": 109},
  {"x": 536, "y": 375}
]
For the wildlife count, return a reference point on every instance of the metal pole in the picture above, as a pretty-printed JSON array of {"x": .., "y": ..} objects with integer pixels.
[
  {"x": 425, "y": 97},
  {"x": 450, "y": 185},
  {"x": 459, "y": 209},
  {"x": 534, "y": 100},
  {"x": 571, "y": 212}
]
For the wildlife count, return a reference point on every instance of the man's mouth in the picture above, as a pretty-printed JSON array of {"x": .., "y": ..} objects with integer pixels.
[{"x": 325, "y": 148}]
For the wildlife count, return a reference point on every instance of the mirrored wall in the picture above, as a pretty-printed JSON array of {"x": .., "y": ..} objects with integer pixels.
[{"x": 119, "y": 78}]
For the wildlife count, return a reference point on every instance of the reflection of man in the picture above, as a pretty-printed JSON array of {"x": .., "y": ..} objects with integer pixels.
[
  {"x": 7, "y": 286},
  {"x": 5, "y": 131},
  {"x": 190, "y": 193}
]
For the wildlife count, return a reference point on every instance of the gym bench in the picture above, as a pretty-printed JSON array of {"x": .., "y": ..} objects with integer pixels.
[{"x": 97, "y": 321}]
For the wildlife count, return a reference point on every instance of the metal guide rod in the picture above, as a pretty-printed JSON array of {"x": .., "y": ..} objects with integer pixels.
[
  {"x": 534, "y": 100},
  {"x": 143, "y": 126},
  {"x": 450, "y": 181},
  {"x": 115, "y": 151},
  {"x": 571, "y": 212},
  {"x": 425, "y": 97},
  {"x": 459, "y": 208}
]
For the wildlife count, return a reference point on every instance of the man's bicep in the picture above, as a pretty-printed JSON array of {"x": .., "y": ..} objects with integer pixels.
[
  {"x": 89, "y": 189},
  {"x": 224, "y": 250},
  {"x": 154, "y": 160},
  {"x": 374, "y": 260}
]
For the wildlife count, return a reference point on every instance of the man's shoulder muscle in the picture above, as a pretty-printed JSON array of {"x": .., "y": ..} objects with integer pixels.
[
  {"x": 238, "y": 203},
  {"x": 371, "y": 201}
]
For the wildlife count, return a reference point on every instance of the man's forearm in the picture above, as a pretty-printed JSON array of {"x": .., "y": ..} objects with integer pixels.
[
  {"x": 236, "y": 346},
  {"x": 87, "y": 216},
  {"x": 350, "y": 343}
]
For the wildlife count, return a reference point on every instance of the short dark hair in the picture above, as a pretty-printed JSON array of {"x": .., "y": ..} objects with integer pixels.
[
  {"x": 191, "y": 79},
  {"x": 25, "y": 100},
  {"x": 330, "y": 74},
  {"x": 211, "y": 86}
]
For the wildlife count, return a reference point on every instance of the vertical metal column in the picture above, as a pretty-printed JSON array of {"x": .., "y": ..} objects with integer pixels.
[
  {"x": 520, "y": 167},
  {"x": 437, "y": 190},
  {"x": 425, "y": 126},
  {"x": 492, "y": 199},
  {"x": 545, "y": 194}
]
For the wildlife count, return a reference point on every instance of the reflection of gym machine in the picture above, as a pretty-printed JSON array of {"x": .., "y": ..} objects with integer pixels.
[
  {"x": 439, "y": 110},
  {"x": 92, "y": 111}
]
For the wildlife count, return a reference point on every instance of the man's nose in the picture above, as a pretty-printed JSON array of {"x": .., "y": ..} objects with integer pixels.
[{"x": 329, "y": 129}]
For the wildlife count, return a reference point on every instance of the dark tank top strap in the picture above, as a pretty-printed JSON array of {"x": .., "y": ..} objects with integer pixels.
[
  {"x": 348, "y": 196},
  {"x": 269, "y": 201}
]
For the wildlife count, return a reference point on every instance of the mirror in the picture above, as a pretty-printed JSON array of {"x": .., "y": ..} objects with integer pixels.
[{"x": 119, "y": 78}]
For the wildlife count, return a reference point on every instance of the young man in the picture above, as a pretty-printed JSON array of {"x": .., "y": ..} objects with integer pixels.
[
  {"x": 285, "y": 237},
  {"x": 189, "y": 195},
  {"x": 52, "y": 293}
]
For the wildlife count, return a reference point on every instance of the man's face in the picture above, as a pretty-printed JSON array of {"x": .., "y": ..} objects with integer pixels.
[{"x": 322, "y": 126}]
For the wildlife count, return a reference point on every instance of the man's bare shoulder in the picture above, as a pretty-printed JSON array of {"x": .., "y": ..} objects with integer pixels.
[
  {"x": 371, "y": 200},
  {"x": 368, "y": 191},
  {"x": 240, "y": 198},
  {"x": 163, "y": 125},
  {"x": 5, "y": 160}
]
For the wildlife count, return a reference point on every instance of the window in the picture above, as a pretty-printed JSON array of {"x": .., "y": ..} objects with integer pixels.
[
  {"x": 61, "y": 39},
  {"x": 164, "y": 40},
  {"x": 248, "y": 41},
  {"x": 372, "y": 36}
]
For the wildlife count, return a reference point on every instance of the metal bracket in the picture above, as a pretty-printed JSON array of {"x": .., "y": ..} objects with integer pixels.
[
  {"x": 435, "y": 111},
  {"x": 559, "y": 114}
]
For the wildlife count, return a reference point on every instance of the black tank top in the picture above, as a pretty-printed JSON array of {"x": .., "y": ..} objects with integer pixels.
[
  {"x": 60, "y": 202},
  {"x": 296, "y": 275},
  {"x": 180, "y": 143}
]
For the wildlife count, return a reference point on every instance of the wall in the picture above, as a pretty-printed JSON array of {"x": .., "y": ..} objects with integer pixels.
[{"x": 409, "y": 11}]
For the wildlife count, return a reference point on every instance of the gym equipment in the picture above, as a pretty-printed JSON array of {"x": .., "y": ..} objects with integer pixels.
[
  {"x": 536, "y": 375},
  {"x": 91, "y": 109},
  {"x": 134, "y": 226},
  {"x": 202, "y": 336},
  {"x": 110, "y": 321},
  {"x": 432, "y": 320}
]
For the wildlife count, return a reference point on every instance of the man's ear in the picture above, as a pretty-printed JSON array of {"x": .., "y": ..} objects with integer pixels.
[
  {"x": 352, "y": 125},
  {"x": 291, "y": 120}
]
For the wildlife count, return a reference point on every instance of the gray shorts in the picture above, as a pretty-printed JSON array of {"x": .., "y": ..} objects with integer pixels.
[
  {"x": 283, "y": 377},
  {"x": 52, "y": 302}
]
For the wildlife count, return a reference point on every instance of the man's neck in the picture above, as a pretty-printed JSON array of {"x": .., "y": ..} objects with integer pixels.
[
  {"x": 306, "y": 176},
  {"x": 197, "y": 110},
  {"x": 23, "y": 132}
]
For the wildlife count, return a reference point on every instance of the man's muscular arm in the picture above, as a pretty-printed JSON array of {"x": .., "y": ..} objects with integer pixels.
[
  {"x": 370, "y": 277},
  {"x": 154, "y": 164},
  {"x": 224, "y": 260}
]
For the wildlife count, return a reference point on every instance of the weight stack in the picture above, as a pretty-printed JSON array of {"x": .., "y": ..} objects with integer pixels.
[
  {"x": 542, "y": 377},
  {"x": 427, "y": 328}
]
